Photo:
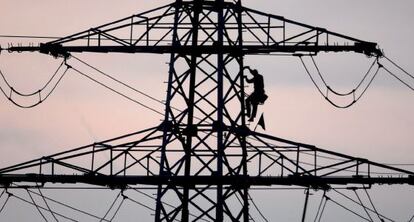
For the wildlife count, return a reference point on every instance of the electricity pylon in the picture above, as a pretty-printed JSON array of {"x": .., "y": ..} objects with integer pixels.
[{"x": 203, "y": 156}]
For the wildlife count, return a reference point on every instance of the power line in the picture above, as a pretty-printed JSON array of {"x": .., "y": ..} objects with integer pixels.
[
  {"x": 399, "y": 79},
  {"x": 329, "y": 89},
  {"x": 372, "y": 204},
  {"x": 324, "y": 207},
  {"x": 5, "y": 202},
  {"x": 26, "y": 201},
  {"x": 342, "y": 194},
  {"x": 257, "y": 208},
  {"x": 68, "y": 206},
  {"x": 399, "y": 67},
  {"x": 39, "y": 92},
  {"x": 112, "y": 205},
  {"x": 136, "y": 90},
  {"x": 117, "y": 209},
  {"x": 47, "y": 205},
  {"x": 29, "y": 37},
  {"x": 115, "y": 91},
  {"x": 320, "y": 205},
  {"x": 241, "y": 203},
  {"x": 411, "y": 219},
  {"x": 349, "y": 210},
  {"x": 120, "y": 82},
  {"x": 37, "y": 207},
  {"x": 161, "y": 102},
  {"x": 363, "y": 206}
]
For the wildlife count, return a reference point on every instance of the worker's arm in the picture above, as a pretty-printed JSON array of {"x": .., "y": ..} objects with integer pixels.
[{"x": 247, "y": 79}]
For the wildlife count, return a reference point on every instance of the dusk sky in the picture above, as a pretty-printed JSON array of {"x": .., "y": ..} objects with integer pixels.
[{"x": 379, "y": 127}]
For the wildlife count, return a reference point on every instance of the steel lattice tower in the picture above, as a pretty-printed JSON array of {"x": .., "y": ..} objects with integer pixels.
[{"x": 203, "y": 155}]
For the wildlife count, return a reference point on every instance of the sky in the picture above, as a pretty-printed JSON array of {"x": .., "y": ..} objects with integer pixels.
[{"x": 379, "y": 127}]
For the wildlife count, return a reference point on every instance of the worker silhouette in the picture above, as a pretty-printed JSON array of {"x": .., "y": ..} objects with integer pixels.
[{"x": 258, "y": 96}]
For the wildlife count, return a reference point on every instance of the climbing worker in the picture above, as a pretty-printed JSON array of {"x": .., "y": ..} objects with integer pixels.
[{"x": 258, "y": 96}]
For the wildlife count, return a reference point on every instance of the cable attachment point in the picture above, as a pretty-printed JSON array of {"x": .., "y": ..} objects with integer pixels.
[
  {"x": 380, "y": 65},
  {"x": 66, "y": 64},
  {"x": 56, "y": 50}
]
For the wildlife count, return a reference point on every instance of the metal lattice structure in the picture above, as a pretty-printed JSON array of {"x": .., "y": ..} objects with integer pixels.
[{"x": 203, "y": 153}]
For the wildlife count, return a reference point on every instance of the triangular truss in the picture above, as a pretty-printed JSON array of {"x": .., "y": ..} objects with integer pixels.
[
  {"x": 152, "y": 32},
  {"x": 204, "y": 143},
  {"x": 135, "y": 159}
]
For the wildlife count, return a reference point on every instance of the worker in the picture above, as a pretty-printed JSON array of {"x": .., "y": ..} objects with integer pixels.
[{"x": 258, "y": 96}]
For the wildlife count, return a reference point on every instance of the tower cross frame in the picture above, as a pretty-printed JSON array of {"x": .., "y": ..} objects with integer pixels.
[{"x": 203, "y": 157}]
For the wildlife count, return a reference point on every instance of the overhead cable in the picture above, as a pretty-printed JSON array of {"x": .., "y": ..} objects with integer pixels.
[
  {"x": 411, "y": 219},
  {"x": 349, "y": 210},
  {"x": 68, "y": 206},
  {"x": 356, "y": 202},
  {"x": 163, "y": 202},
  {"x": 5, "y": 202},
  {"x": 38, "y": 93},
  {"x": 117, "y": 209},
  {"x": 47, "y": 205},
  {"x": 320, "y": 205},
  {"x": 257, "y": 208},
  {"x": 398, "y": 78},
  {"x": 120, "y": 82},
  {"x": 363, "y": 206},
  {"x": 241, "y": 203},
  {"x": 110, "y": 207},
  {"x": 37, "y": 206},
  {"x": 399, "y": 67},
  {"x": 117, "y": 92},
  {"x": 372, "y": 204},
  {"x": 26, "y": 201},
  {"x": 352, "y": 92}
]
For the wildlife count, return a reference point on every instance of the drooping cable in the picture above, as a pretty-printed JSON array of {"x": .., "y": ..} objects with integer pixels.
[
  {"x": 29, "y": 37},
  {"x": 115, "y": 91},
  {"x": 335, "y": 92},
  {"x": 349, "y": 210},
  {"x": 122, "y": 83},
  {"x": 257, "y": 208},
  {"x": 241, "y": 203},
  {"x": 47, "y": 205},
  {"x": 137, "y": 202},
  {"x": 399, "y": 67},
  {"x": 163, "y": 202},
  {"x": 68, "y": 206},
  {"x": 411, "y": 219},
  {"x": 372, "y": 204},
  {"x": 128, "y": 86},
  {"x": 320, "y": 205},
  {"x": 363, "y": 206},
  {"x": 356, "y": 202},
  {"x": 5, "y": 202},
  {"x": 117, "y": 209},
  {"x": 37, "y": 206},
  {"x": 323, "y": 208},
  {"x": 40, "y": 98},
  {"x": 110, "y": 207},
  {"x": 398, "y": 78},
  {"x": 26, "y": 201},
  {"x": 329, "y": 89}
]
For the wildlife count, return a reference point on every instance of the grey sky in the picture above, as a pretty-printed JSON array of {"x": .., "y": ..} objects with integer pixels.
[{"x": 380, "y": 127}]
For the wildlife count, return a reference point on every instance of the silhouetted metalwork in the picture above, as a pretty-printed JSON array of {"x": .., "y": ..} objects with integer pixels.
[{"x": 203, "y": 153}]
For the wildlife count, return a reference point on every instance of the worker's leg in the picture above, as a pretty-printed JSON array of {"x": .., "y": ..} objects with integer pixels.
[
  {"x": 254, "y": 112},
  {"x": 248, "y": 106}
]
